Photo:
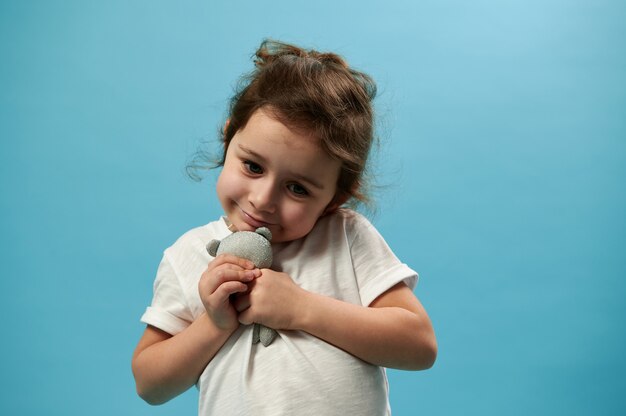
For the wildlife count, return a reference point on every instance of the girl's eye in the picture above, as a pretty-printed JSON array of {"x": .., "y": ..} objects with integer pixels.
[
  {"x": 253, "y": 167},
  {"x": 298, "y": 190}
]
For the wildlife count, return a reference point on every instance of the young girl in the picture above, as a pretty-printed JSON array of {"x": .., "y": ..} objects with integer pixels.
[{"x": 295, "y": 149}]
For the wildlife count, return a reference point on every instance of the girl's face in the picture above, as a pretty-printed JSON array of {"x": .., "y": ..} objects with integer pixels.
[{"x": 277, "y": 178}]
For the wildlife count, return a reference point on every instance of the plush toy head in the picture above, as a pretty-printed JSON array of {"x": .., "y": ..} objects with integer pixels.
[{"x": 254, "y": 246}]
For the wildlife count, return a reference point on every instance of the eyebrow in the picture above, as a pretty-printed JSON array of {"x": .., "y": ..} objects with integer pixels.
[{"x": 298, "y": 176}]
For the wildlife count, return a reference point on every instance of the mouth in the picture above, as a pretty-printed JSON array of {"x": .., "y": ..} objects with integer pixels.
[{"x": 252, "y": 221}]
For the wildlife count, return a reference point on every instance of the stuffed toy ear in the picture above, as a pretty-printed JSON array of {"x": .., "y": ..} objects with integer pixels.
[
  {"x": 212, "y": 247},
  {"x": 265, "y": 232}
]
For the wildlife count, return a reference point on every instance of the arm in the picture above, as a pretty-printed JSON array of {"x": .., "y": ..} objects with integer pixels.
[
  {"x": 165, "y": 366},
  {"x": 394, "y": 331}
]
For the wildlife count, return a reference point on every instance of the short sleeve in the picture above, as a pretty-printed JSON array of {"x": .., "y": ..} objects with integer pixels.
[
  {"x": 376, "y": 267},
  {"x": 169, "y": 310}
]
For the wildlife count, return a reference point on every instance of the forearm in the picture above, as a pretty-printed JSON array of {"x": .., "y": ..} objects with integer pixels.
[
  {"x": 387, "y": 336},
  {"x": 167, "y": 368}
]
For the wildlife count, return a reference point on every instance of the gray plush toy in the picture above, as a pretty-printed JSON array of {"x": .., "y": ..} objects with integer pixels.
[{"x": 254, "y": 246}]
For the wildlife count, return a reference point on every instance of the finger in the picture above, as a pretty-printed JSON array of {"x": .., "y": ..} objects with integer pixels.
[
  {"x": 223, "y": 293},
  {"x": 216, "y": 278},
  {"x": 242, "y": 303},
  {"x": 245, "y": 317},
  {"x": 231, "y": 259},
  {"x": 224, "y": 276}
]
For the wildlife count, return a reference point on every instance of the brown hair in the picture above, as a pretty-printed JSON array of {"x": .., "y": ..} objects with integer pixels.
[{"x": 318, "y": 92}]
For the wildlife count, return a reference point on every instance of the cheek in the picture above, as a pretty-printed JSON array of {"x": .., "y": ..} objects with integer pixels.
[
  {"x": 303, "y": 216},
  {"x": 227, "y": 182}
]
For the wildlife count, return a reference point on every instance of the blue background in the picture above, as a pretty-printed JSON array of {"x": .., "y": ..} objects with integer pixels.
[{"x": 503, "y": 135}]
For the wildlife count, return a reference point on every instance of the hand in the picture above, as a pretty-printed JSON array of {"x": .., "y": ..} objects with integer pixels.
[
  {"x": 273, "y": 300},
  {"x": 226, "y": 275}
]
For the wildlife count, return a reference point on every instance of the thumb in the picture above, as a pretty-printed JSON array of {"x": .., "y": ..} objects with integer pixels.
[{"x": 245, "y": 317}]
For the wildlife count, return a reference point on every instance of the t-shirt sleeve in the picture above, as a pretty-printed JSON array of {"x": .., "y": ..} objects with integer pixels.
[
  {"x": 377, "y": 268},
  {"x": 169, "y": 310}
]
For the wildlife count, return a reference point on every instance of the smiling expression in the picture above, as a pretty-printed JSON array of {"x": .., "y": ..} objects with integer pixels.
[{"x": 276, "y": 177}]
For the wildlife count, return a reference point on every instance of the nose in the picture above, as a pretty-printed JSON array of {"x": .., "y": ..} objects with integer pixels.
[{"x": 263, "y": 195}]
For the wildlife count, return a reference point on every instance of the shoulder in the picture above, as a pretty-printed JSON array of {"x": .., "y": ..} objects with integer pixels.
[
  {"x": 343, "y": 228},
  {"x": 375, "y": 265},
  {"x": 355, "y": 230},
  {"x": 351, "y": 223},
  {"x": 345, "y": 218}
]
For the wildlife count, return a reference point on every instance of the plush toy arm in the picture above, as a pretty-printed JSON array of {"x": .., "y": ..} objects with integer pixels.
[{"x": 212, "y": 247}]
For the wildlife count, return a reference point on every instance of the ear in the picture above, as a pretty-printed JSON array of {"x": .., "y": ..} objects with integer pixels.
[
  {"x": 339, "y": 199},
  {"x": 225, "y": 143}
]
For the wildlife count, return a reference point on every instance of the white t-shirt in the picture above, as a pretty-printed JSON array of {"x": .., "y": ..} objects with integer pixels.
[{"x": 343, "y": 257}]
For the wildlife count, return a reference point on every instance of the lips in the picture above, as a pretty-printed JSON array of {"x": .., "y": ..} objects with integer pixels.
[{"x": 253, "y": 222}]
